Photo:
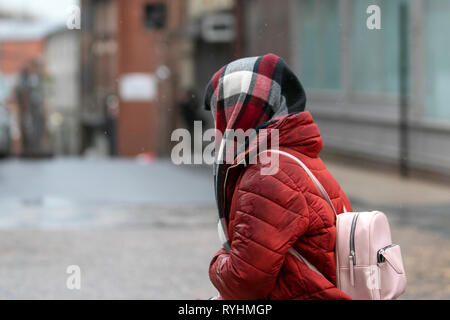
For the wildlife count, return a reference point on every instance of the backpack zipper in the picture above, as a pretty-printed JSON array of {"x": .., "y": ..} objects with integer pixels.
[
  {"x": 352, "y": 239},
  {"x": 380, "y": 257},
  {"x": 352, "y": 256}
]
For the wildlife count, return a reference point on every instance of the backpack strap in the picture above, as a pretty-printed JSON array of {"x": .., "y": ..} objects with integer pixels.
[
  {"x": 317, "y": 183},
  {"x": 325, "y": 196},
  {"x": 297, "y": 254}
]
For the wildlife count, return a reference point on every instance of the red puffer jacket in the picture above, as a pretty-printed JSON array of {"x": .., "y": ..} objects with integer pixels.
[{"x": 270, "y": 213}]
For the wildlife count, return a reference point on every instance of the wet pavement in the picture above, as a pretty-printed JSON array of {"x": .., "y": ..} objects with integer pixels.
[
  {"x": 153, "y": 253},
  {"x": 423, "y": 232},
  {"x": 103, "y": 181},
  {"x": 142, "y": 231},
  {"x": 433, "y": 218}
]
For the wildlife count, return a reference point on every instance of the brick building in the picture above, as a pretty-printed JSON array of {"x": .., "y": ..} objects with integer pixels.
[
  {"x": 125, "y": 53},
  {"x": 21, "y": 46},
  {"x": 16, "y": 53},
  {"x": 148, "y": 53}
]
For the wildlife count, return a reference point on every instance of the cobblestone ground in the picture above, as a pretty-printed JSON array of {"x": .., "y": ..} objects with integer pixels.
[
  {"x": 142, "y": 253},
  {"x": 426, "y": 257},
  {"x": 113, "y": 220},
  {"x": 163, "y": 253}
]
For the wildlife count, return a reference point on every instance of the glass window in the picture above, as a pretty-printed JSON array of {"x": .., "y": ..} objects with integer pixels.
[
  {"x": 375, "y": 62},
  {"x": 437, "y": 59},
  {"x": 155, "y": 16},
  {"x": 320, "y": 44}
]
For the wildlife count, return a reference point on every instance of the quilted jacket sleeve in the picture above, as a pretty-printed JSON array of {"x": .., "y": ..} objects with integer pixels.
[{"x": 269, "y": 213}]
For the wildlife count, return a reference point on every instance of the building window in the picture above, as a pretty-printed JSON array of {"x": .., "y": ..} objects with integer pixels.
[
  {"x": 437, "y": 62},
  {"x": 375, "y": 53},
  {"x": 319, "y": 49},
  {"x": 155, "y": 16}
]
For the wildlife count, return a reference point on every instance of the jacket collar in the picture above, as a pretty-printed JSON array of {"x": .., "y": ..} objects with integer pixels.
[
  {"x": 295, "y": 131},
  {"x": 299, "y": 132}
]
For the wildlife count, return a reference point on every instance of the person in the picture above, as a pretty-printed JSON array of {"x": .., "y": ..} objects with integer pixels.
[
  {"x": 189, "y": 109},
  {"x": 264, "y": 215},
  {"x": 111, "y": 113},
  {"x": 28, "y": 94}
]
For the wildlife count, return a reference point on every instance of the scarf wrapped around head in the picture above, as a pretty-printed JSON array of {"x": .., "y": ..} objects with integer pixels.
[{"x": 248, "y": 93}]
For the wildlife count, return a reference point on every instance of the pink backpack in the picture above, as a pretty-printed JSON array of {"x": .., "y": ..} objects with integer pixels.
[{"x": 368, "y": 265}]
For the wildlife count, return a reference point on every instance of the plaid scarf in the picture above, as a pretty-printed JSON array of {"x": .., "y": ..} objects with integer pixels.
[{"x": 249, "y": 93}]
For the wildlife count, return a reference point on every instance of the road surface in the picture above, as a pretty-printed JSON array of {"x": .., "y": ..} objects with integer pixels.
[{"x": 147, "y": 231}]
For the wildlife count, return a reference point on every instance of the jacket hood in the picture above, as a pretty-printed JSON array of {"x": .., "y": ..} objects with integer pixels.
[{"x": 248, "y": 92}]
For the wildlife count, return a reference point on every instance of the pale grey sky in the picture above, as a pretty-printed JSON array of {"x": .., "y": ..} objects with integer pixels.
[{"x": 50, "y": 10}]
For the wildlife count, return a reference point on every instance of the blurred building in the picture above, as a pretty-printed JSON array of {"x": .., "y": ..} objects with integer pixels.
[
  {"x": 351, "y": 74},
  {"x": 208, "y": 35},
  {"x": 148, "y": 54},
  {"x": 20, "y": 43},
  {"x": 15, "y": 53},
  {"x": 62, "y": 92},
  {"x": 21, "y": 49},
  {"x": 98, "y": 61},
  {"x": 124, "y": 53},
  {"x": 264, "y": 27}
]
